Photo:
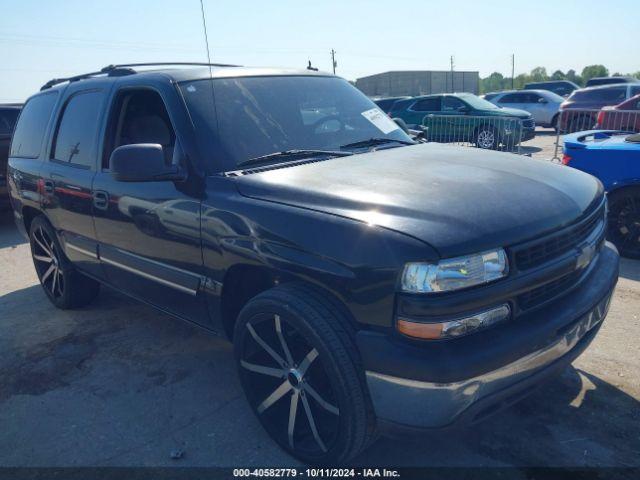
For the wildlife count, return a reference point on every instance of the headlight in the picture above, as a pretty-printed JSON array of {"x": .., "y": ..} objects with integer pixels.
[{"x": 455, "y": 273}]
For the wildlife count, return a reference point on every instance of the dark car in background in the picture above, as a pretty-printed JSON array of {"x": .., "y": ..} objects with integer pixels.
[
  {"x": 580, "y": 111},
  {"x": 386, "y": 103},
  {"x": 366, "y": 281},
  {"x": 563, "y": 88},
  {"x": 8, "y": 117},
  {"x": 596, "y": 81},
  {"x": 465, "y": 117}
]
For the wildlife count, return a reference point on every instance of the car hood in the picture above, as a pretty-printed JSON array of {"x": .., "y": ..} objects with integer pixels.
[
  {"x": 513, "y": 112},
  {"x": 459, "y": 200}
]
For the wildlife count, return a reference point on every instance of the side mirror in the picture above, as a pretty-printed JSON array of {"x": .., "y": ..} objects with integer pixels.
[
  {"x": 542, "y": 100},
  {"x": 464, "y": 109},
  {"x": 142, "y": 162}
]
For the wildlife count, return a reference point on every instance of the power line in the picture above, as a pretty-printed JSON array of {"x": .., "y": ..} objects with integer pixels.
[{"x": 333, "y": 60}]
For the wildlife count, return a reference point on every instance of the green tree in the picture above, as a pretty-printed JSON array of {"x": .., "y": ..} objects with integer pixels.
[
  {"x": 520, "y": 81},
  {"x": 572, "y": 76},
  {"x": 558, "y": 75},
  {"x": 539, "y": 74},
  {"x": 591, "y": 71},
  {"x": 492, "y": 83}
]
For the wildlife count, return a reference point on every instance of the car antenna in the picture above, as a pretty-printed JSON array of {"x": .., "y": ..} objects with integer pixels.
[{"x": 309, "y": 67}]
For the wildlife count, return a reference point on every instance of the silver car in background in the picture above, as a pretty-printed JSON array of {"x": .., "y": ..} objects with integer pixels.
[{"x": 543, "y": 105}]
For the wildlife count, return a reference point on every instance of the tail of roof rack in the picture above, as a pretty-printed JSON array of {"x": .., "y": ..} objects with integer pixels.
[{"x": 126, "y": 69}]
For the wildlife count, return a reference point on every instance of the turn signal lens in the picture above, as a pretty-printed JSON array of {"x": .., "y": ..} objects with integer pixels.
[
  {"x": 566, "y": 159},
  {"x": 454, "y": 328}
]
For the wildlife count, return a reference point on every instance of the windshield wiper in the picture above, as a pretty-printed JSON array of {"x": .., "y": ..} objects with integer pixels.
[
  {"x": 292, "y": 155},
  {"x": 371, "y": 142}
]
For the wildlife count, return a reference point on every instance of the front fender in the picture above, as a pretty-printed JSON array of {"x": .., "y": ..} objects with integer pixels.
[{"x": 357, "y": 262}]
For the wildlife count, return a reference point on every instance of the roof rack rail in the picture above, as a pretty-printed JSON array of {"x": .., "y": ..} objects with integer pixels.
[
  {"x": 157, "y": 64},
  {"x": 125, "y": 69}
]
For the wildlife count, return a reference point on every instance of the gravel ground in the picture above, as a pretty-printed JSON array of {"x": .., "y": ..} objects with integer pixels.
[{"x": 119, "y": 384}]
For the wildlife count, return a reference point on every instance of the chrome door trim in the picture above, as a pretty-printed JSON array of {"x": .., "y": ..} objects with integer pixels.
[
  {"x": 81, "y": 250},
  {"x": 148, "y": 276}
]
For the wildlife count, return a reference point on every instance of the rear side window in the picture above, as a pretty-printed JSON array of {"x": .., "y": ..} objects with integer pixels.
[
  {"x": 616, "y": 95},
  {"x": 513, "y": 98},
  {"x": 76, "y": 134},
  {"x": 427, "y": 105},
  {"x": 32, "y": 124}
]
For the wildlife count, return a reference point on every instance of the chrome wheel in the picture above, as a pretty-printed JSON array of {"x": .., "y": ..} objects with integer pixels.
[
  {"x": 47, "y": 263},
  {"x": 486, "y": 139},
  {"x": 288, "y": 386}
]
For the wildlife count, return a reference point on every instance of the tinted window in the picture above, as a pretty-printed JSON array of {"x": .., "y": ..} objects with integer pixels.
[
  {"x": 140, "y": 116},
  {"x": 491, "y": 96},
  {"x": 386, "y": 103},
  {"x": 8, "y": 120},
  {"x": 612, "y": 95},
  {"x": 452, "y": 104},
  {"x": 76, "y": 134},
  {"x": 512, "y": 98},
  {"x": 32, "y": 123},
  {"x": 427, "y": 105},
  {"x": 635, "y": 90}
]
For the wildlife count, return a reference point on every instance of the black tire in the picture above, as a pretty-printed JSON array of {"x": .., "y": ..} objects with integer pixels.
[
  {"x": 308, "y": 320},
  {"x": 487, "y": 138},
  {"x": 624, "y": 221},
  {"x": 64, "y": 285},
  {"x": 554, "y": 122}
]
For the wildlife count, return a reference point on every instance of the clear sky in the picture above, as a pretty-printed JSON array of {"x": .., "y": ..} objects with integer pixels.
[{"x": 42, "y": 39}]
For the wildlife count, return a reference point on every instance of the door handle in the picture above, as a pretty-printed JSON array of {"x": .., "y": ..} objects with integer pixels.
[
  {"x": 101, "y": 199},
  {"x": 49, "y": 186}
]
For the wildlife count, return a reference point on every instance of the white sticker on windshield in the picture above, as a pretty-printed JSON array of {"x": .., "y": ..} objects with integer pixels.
[{"x": 380, "y": 120}]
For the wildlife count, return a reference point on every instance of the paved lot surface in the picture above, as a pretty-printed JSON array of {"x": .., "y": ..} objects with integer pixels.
[{"x": 118, "y": 384}]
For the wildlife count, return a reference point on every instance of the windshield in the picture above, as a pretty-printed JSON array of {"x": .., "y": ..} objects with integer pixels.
[
  {"x": 477, "y": 102},
  {"x": 257, "y": 116}
]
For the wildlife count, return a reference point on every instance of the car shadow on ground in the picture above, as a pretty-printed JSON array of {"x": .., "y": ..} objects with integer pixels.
[
  {"x": 527, "y": 150},
  {"x": 574, "y": 420},
  {"x": 135, "y": 383},
  {"x": 9, "y": 235}
]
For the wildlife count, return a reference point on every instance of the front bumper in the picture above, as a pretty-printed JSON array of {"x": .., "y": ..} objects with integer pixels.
[{"x": 452, "y": 398}]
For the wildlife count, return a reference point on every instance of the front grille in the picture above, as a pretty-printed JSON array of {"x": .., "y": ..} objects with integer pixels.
[
  {"x": 548, "y": 291},
  {"x": 529, "y": 123},
  {"x": 548, "y": 248}
]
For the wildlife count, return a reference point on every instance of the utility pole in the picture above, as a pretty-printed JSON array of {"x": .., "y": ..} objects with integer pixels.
[
  {"x": 451, "y": 73},
  {"x": 333, "y": 60},
  {"x": 513, "y": 69}
]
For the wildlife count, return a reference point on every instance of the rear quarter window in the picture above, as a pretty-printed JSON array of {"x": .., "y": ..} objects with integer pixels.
[{"x": 32, "y": 125}]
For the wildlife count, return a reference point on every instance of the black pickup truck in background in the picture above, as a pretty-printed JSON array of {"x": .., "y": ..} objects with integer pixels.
[
  {"x": 368, "y": 282},
  {"x": 8, "y": 116}
]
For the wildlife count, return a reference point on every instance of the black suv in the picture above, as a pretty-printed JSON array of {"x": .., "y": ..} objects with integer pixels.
[
  {"x": 8, "y": 116},
  {"x": 366, "y": 281}
]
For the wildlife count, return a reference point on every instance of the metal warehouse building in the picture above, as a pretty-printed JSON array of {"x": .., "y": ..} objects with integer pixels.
[{"x": 418, "y": 83}]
